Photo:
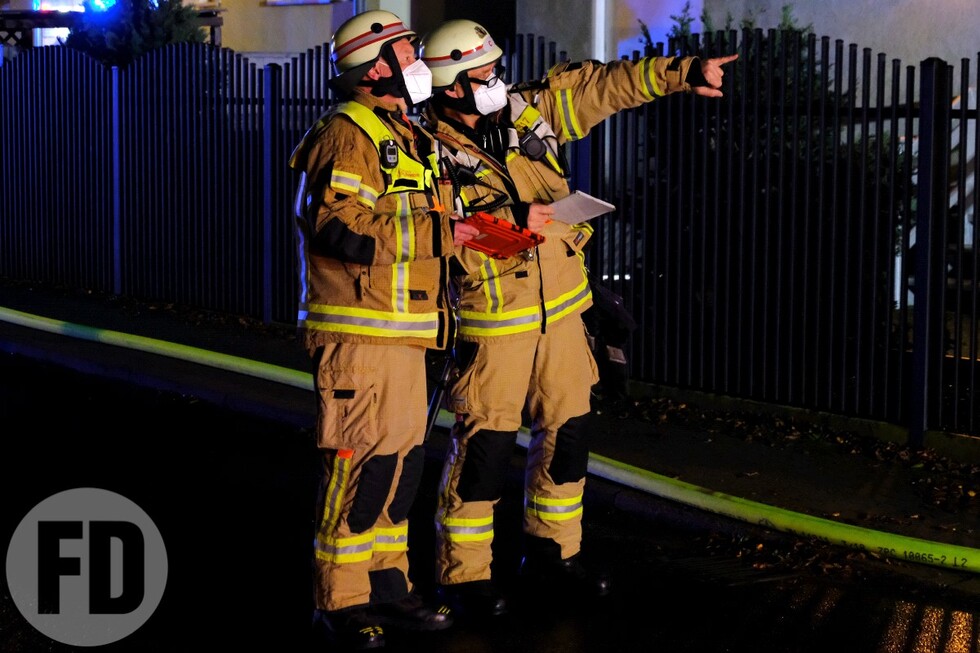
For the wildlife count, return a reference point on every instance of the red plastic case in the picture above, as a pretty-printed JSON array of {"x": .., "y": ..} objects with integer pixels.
[{"x": 499, "y": 238}]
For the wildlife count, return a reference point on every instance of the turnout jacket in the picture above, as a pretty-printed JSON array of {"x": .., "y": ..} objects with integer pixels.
[
  {"x": 373, "y": 240},
  {"x": 525, "y": 293}
]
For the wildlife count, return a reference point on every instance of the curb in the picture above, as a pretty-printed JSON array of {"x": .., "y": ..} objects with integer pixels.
[{"x": 907, "y": 549}]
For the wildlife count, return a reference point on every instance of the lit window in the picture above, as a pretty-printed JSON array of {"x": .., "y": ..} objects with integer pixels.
[{"x": 54, "y": 35}]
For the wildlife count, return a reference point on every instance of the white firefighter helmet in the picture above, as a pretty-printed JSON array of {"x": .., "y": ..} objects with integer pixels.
[
  {"x": 455, "y": 47},
  {"x": 360, "y": 39}
]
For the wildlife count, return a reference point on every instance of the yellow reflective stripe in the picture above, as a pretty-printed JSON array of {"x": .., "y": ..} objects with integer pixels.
[
  {"x": 391, "y": 539},
  {"x": 568, "y": 302},
  {"x": 351, "y": 183},
  {"x": 459, "y": 529},
  {"x": 475, "y": 323},
  {"x": 399, "y": 271},
  {"x": 406, "y": 231},
  {"x": 567, "y": 114},
  {"x": 649, "y": 77},
  {"x": 334, "y": 494},
  {"x": 399, "y": 282},
  {"x": 347, "y": 182},
  {"x": 345, "y": 549},
  {"x": 362, "y": 321},
  {"x": 553, "y": 509},
  {"x": 494, "y": 324},
  {"x": 552, "y": 160},
  {"x": 491, "y": 285},
  {"x": 367, "y": 196}
]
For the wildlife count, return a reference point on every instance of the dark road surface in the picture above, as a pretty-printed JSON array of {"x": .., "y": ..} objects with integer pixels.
[{"x": 232, "y": 497}]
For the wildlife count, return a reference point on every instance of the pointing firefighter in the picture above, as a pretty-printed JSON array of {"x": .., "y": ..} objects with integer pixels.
[
  {"x": 522, "y": 346},
  {"x": 374, "y": 242}
]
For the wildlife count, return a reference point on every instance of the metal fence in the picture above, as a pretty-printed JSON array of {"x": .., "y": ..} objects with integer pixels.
[{"x": 778, "y": 244}]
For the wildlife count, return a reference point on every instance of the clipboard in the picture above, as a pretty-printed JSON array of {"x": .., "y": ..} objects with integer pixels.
[
  {"x": 498, "y": 238},
  {"x": 579, "y": 207}
]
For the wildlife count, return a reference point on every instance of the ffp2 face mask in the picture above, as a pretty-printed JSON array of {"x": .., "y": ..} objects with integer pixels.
[
  {"x": 491, "y": 97},
  {"x": 418, "y": 82}
]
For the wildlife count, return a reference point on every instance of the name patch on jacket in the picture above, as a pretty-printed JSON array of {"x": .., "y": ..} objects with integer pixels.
[{"x": 418, "y": 295}]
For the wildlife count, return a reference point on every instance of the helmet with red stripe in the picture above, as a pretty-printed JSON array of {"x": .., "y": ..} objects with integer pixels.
[
  {"x": 455, "y": 47},
  {"x": 360, "y": 39}
]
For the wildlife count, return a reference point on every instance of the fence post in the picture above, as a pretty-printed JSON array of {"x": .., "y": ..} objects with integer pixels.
[
  {"x": 116, "y": 185},
  {"x": 272, "y": 133},
  {"x": 930, "y": 275}
]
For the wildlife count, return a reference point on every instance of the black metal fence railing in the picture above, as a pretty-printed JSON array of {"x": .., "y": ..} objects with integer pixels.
[{"x": 808, "y": 240}]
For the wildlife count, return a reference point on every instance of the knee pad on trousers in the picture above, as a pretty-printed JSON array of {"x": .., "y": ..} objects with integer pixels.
[
  {"x": 408, "y": 484},
  {"x": 571, "y": 459},
  {"x": 372, "y": 490},
  {"x": 488, "y": 455}
]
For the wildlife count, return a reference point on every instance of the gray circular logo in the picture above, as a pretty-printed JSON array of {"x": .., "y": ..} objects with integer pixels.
[{"x": 86, "y": 567}]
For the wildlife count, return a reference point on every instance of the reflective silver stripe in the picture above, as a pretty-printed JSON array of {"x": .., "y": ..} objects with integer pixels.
[
  {"x": 479, "y": 529},
  {"x": 399, "y": 298},
  {"x": 492, "y": 286},
  {"x": 367, "y": 194},
  {"x": 345, "y": 550},
  {"x": 554, "y": 510},
  {"x": 404, "y": 233},
  {"x": 389, "y": 325},
  {"x": 581, "y": 296},
  {"x": 649, "y": 80},
  {"x": 338, "y": 484},
  {"x": 346, "y": 181},
  {"x": 466, "y": 530},
  {"x": 568, "y": 114},
  {"x": 534, "y": 318},
  {"x": 391, "y": 539},
  {"x": 406, "y": 236}
]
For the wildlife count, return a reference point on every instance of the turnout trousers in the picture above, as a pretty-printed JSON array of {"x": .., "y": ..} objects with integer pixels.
[
  {"x": 551, "y": 375},
  {"x": 370, "y": 424}
]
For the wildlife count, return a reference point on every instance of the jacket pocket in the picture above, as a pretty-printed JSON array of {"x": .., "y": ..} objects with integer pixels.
[{"x": 421, "y": 275}]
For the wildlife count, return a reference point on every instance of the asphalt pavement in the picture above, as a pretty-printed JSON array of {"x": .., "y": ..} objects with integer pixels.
[{"x": 705, "y": 509}]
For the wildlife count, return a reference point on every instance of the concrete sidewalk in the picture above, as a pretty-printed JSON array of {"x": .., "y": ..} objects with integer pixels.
[{"x": 918, "y": 513}]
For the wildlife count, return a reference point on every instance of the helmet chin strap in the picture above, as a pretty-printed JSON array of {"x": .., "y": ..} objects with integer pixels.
[
  {"x": 394, "y": 85},
  {"x": 465, "y": 104}
]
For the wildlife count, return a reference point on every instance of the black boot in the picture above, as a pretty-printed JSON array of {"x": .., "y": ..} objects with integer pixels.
[
  {"x": 412, "y": 613},
  {"x": 476, "y": 599},
  {"x": 543, "y": 567},
  {"x": 353, "y": 629}
]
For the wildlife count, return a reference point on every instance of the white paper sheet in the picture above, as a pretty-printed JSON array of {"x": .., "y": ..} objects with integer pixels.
[{"x": 579, "y": 207}]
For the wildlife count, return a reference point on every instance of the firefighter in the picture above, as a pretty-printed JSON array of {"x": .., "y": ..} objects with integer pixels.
[
  {"x": 374, "y": 242},
  {"x": 522, "y": 347}
]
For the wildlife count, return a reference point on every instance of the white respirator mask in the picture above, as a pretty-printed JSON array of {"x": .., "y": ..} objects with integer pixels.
[
  {"x": 418, "y": 82},
  {"x": 491, "y": 97}
]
